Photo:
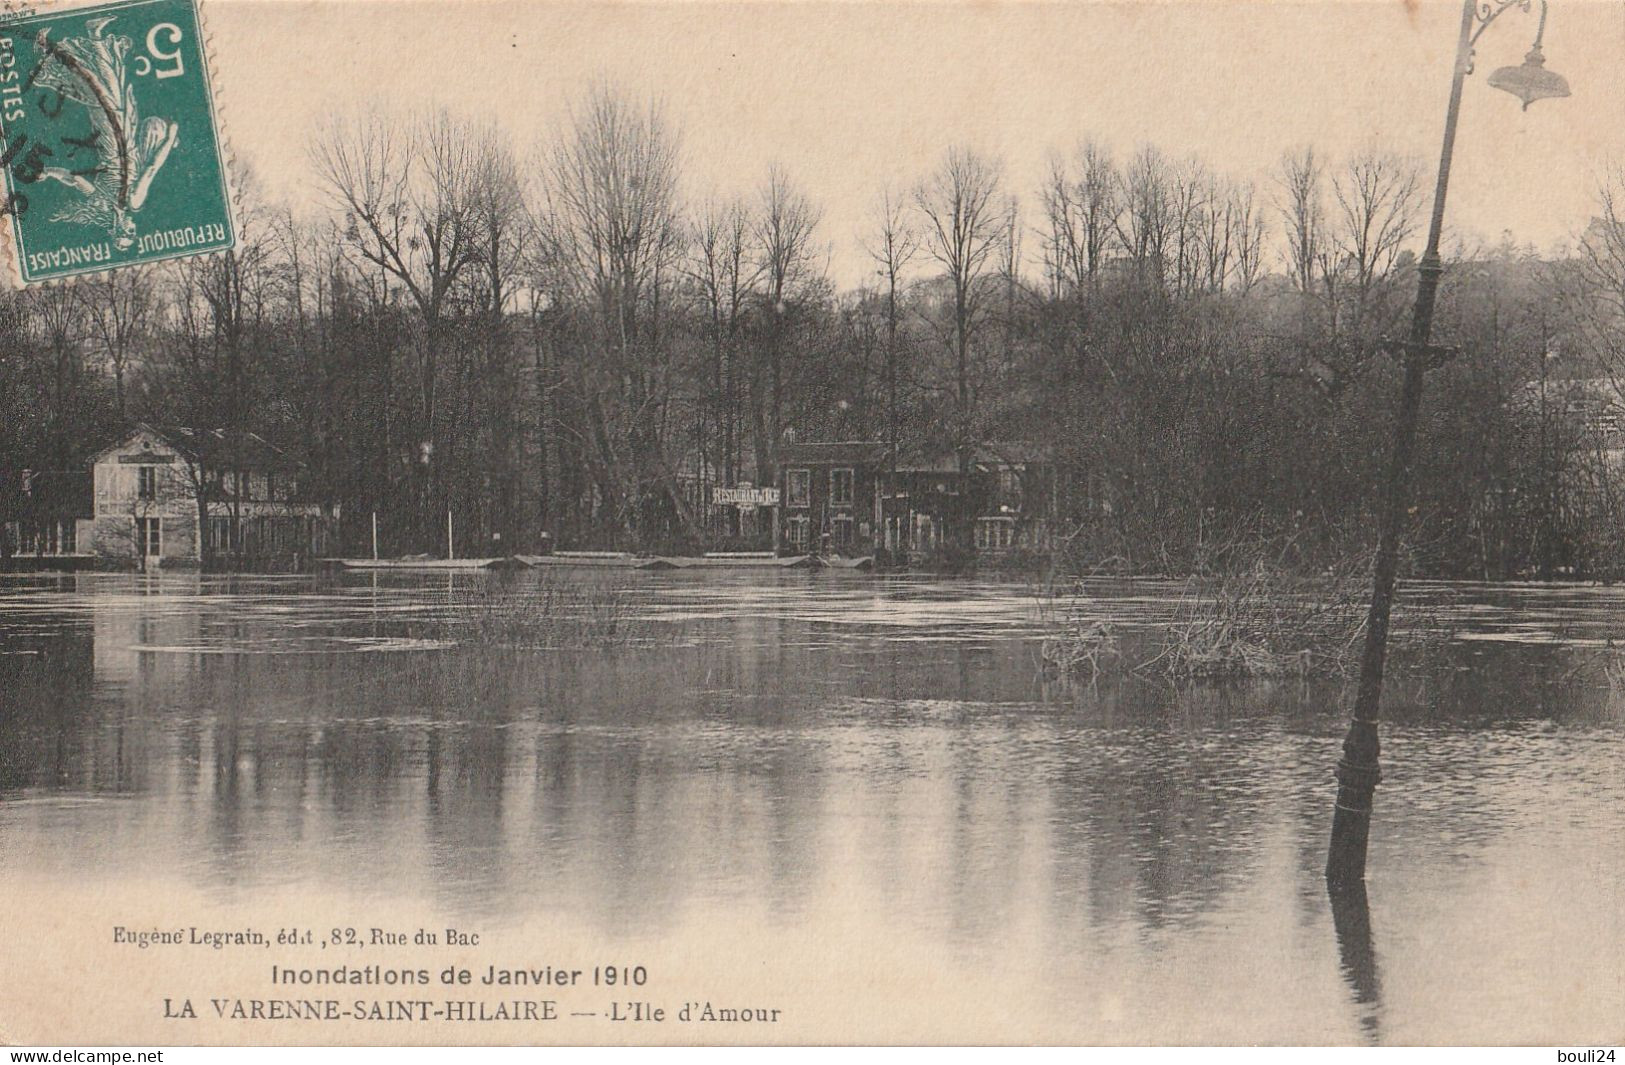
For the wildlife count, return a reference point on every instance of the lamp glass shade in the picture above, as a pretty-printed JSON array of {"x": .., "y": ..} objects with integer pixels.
[{"x": 1531, "y": 81}]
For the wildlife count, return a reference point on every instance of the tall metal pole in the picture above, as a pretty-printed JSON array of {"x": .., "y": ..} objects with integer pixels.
[{"x": 1358, "y": 771}]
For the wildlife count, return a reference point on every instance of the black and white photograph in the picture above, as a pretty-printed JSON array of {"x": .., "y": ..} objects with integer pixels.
[{"x": 782, "y": 523}]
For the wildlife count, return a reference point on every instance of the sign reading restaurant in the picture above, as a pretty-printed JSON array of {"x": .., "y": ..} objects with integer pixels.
[{"x": 745, "y": 496}]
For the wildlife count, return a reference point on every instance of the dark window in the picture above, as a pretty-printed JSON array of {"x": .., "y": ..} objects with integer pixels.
[
  {"x": 149, "y": 534},
  {"x": 798, "y": 484},
  {"x": 146, "y": 486},
  {"x": 995, "y": 534},
  {"x": 840, "y": 488}
]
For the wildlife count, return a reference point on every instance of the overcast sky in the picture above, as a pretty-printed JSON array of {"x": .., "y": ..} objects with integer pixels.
[{"x": 852, "y": 96}]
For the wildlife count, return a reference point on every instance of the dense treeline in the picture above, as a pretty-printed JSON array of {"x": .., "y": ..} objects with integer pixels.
[{"x": 570, "y": 340}]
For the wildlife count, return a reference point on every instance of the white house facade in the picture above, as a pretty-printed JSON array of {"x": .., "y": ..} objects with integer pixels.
[{"x": 158, "y": 500}]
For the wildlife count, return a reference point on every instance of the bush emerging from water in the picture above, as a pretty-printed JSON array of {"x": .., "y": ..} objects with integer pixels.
[
  {"x": 544, "y": 613},
  {"x": 1080, "y": 646},
  {"x": 1248, "y": 612},
  {"x": 1260, "y": 620}
]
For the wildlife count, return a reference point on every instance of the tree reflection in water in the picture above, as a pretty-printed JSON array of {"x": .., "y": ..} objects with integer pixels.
[{"x": 873, "y": 761}]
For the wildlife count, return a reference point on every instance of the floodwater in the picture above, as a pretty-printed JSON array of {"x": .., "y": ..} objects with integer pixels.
[{"x": 854, "y": 798}]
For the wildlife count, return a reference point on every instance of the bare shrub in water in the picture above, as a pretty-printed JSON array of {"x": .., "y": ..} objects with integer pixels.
[
  {"x": 1260, "y": 619},
  {"x": 1077, "y": 642},
  {"x": 1080, "y": 646},
  {"x": 1613, "y": 671},
  {"x": 1248, "y": 612},
  {"x": 549, "y": 615}
]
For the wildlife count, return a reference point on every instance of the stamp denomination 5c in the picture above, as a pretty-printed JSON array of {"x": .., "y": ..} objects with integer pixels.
[{"x": 109, "y": 139}]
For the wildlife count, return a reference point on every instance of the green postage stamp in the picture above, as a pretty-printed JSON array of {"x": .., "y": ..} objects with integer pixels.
[{"x": 109, "y": 139}]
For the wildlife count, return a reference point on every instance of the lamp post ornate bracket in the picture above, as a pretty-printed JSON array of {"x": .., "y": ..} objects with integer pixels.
[{"x": 1487, "y": 12}]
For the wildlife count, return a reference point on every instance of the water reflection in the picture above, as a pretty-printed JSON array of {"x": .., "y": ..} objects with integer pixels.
[
  {"x": 1351, "y": 916},
  {"x": 807, "y": 750}
]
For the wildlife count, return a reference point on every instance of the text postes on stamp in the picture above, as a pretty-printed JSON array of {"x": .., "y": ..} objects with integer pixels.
[{"x": 109, "y": 139}]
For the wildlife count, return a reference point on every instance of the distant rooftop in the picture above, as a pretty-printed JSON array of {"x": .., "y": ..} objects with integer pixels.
[
  {"x": 217, "y": 447},
  {"x": 820, "y": 453}
]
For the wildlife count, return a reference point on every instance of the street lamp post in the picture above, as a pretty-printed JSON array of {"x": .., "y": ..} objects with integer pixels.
[{"x": 1358, "y": 771}]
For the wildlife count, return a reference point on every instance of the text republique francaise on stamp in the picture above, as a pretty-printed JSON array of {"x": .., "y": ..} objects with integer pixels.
[{"x": 109, "y": 139}]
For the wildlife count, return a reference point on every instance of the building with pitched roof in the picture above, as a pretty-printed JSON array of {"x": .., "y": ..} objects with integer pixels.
[{"x": 178, "y": 497}]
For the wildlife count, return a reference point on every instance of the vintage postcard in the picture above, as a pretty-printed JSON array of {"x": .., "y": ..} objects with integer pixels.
[{"x": 537, "y": 522}]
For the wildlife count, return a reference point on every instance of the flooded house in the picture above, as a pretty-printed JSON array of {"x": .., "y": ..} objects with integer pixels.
[
  {"x": 856, "y": 498},
  {"x": 1008, "y": 495},
  {"x": 830, "y": 495},
  {"x": 45, "y": 508},
  {"x": 1590, "y": 412},
  {"x": 185, "y": 497}
]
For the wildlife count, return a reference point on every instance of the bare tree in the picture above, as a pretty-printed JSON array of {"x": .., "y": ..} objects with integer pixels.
[
  {"x": 1300, "y": 181},
  {"x": 726, "y": 269},
  {"x": 1592, "y": 294},
  {"x": 404, "y": 189},
  {"x": 118, "y": 308},
  {"x": 1245, "y": 223},
  {"x": 785, "y": 224},
  {"x": 499, "y": 225},
  {"x": 1342, "y": 257},
  {"x": 215, "y": 378},
  {"x": 612, "y": 218},
  {"x": 1146, "y": 225},
  {"x": 963, "y": 230},
  {"x": 1309, "y": 253},
  {"x": 1081, "y": 205},
  {"x": 893, "y": 243},
  {"x": 1379, "y": 203},
  {"x": 1196, "y": 241},
  {"x": 57, "y": 317}
]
